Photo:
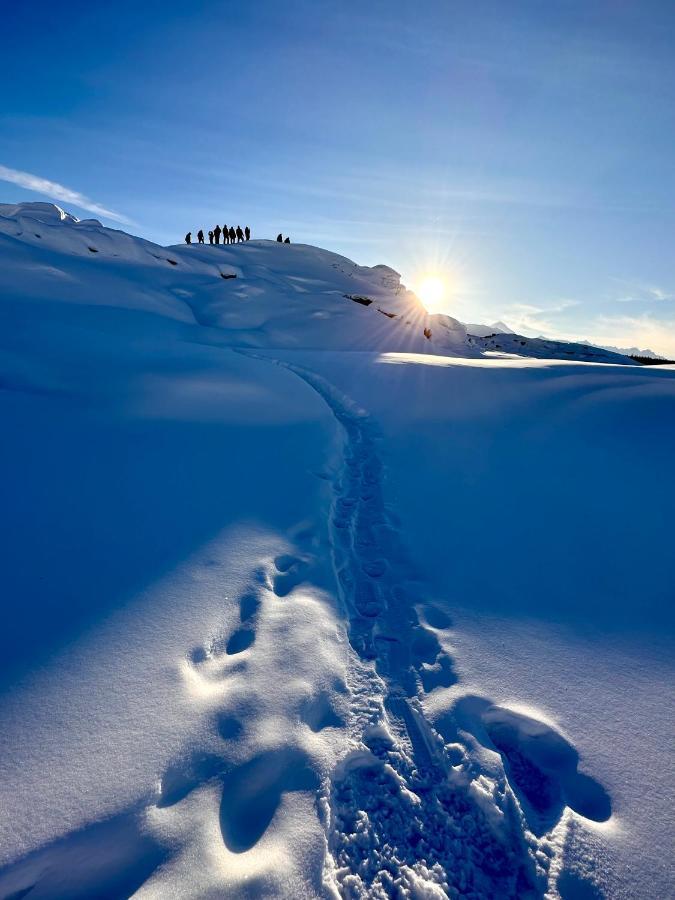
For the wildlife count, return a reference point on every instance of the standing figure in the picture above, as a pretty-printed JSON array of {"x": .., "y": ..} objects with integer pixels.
[
  {"x": 200, "y": 236},
  {"x": 280, "y": 238},
  {"x": 226, "y": 235},
  {"x": 188, "y": 237},
  {"x": 216, "y": 233},
  {"x": 240, "y": 234},
  {"x": 247, "y": 233},
  {"x": 232, "y": 234},
  {"x": 287, "y": 240},
  {"x": 210, "y": 237}
]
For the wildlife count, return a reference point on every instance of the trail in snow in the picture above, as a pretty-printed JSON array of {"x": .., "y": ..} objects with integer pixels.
[{"x": 413, "y": 808}]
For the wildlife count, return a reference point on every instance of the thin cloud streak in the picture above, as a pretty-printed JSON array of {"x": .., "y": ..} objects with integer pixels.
[
  {"x": 59, "y": 192},
  {"x": 643, "y": 293}
]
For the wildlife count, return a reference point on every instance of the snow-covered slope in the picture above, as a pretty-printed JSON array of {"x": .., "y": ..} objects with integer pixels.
[
  {"x": 259, "y": 294},
  {"x": 299, "y": 602},
  {"x": 510, "y": 343}
]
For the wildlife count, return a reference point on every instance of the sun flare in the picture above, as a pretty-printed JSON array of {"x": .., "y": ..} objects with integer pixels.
[{"x": 431, "y": 291}]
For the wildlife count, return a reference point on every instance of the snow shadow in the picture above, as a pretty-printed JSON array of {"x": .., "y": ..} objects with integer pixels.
[
  {"x": 109, "y": 859},
  {"x": 107, "y": 497}
]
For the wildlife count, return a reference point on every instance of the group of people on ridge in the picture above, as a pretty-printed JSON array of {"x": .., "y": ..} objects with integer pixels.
[{"x": 230, "y": 235}]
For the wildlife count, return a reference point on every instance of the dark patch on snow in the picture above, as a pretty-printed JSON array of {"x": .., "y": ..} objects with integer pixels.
[{"x": 357, "y": 298}]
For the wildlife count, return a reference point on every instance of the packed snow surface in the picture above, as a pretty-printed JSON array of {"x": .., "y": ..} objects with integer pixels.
[{"x": 307, "y": 593}]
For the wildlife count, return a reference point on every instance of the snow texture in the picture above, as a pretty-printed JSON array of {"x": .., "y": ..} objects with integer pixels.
[{"x": 300, "y": 602}]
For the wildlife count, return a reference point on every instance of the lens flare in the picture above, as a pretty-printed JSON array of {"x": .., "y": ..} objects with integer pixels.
[{"x": 431, "y": 291}]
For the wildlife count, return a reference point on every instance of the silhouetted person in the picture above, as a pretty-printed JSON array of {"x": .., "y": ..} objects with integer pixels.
[
  {"x": 200, "y": 236},
  {"x": 232, "y": 234},
  {"x": 247, "y": 233},
  {"x": 210, "y": 237},
  {"x": 240, "y": 234},
  {"x": 216, "y": 233},
  {"x": 280, "y": 238},
  {"x": 188, "y": 237},
  {"x": 226, "y": 235},
  {"x": 287, "y": 241}
]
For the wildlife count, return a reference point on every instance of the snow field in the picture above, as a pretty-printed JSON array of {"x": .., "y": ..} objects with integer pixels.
[{"x": 303, "y": 604}]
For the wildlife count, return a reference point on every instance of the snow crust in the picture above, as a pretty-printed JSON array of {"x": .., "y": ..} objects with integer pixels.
[{"x": 299, "y": 602}]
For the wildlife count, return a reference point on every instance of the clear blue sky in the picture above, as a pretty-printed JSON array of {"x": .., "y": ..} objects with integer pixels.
[{"x": 524, "y": 149}]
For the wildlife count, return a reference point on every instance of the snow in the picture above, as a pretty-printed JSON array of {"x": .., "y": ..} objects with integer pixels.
[
  {"x": 501, "y": 345},
  {"x": 299, "y": 602},
  {"x": 498, "y": 327}
]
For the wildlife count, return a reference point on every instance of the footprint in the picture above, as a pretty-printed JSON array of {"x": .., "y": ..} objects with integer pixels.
[
  {"x": 285, "y": 562},
  {"x": 374, "y": 567},
  {"x": 367, "y": 600},
  {"x": 249, "y": 605},
  {"x": 542, "y": 765},
  {"x": 241, "y": 640},
  {"x": 228, "y": 727},
  {"x": 318, "y": 713},
  {"x": 197, "y": 655},
  {"x": 439, "y": 674},
  {"x": 252, "y": 793},
  {"x": 424, "y": 644},
  {"x": 291, "y": 571},
  {"x": 436, "y": 617}
]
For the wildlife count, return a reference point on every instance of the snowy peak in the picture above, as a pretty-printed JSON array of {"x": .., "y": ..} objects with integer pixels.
[{"x": 498, "y": 327}]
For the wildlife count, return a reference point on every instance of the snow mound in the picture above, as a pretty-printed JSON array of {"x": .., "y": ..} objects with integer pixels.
[
  {"x": 41, "y": 212},
  {"x": 258, "y": 294}
]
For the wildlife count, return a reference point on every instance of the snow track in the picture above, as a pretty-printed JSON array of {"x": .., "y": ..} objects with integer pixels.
[{"x": 406, "y": 818}]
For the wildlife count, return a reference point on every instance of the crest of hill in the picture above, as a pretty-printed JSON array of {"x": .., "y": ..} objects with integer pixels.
[{"x": 257, "y": 294}]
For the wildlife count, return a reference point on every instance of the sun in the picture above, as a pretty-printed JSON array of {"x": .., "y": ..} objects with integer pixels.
[{"x": 431, "y": 291}]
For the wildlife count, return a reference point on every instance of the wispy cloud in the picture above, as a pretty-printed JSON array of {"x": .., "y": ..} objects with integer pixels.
[
  {"x": 527, "y": 317},
  {"x": 59, "y": 192},
  {"x": 643, "y": 293}
]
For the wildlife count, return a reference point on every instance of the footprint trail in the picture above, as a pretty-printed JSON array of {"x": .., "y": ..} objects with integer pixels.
[{"x": 411, "y": 810}]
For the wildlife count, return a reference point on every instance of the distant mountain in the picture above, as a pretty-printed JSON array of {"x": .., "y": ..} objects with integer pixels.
[
  {"x": 544, "y": 348},
  {"x": 626, "y": 351},
  {"x": 485, "y": 330},
  {"x": 499, "y": 327}
]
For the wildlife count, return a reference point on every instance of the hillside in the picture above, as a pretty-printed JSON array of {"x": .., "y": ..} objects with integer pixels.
[
  {"x": 257, "y": 294},
  {"x": 299, "y": 602}
]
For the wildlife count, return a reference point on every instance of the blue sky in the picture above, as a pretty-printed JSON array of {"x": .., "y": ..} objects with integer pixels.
[{"x": 522, "y": 149}]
